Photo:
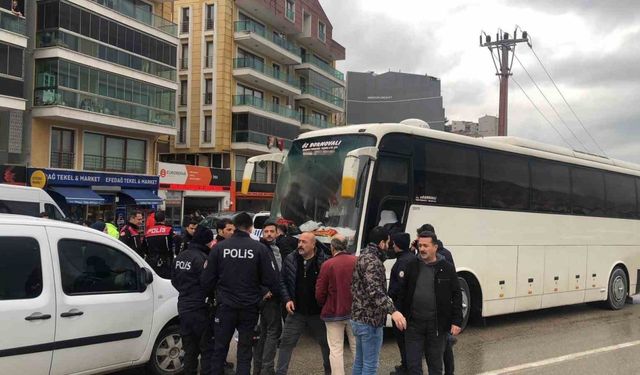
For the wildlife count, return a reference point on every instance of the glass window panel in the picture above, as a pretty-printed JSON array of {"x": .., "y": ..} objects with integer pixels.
[
  {"x": 74, "y": 19},
  {"x": 95, "y": 27},
  {"x": 21, "y": 267},
  {"x": 15, "y": 61},
  {"x": 65, "y": 15},
  {"x": 135, "y": 149},
  {"x": 505, "y": 181},
  {"x": 550, "y": 187},
  {"x": 51, "y": 15},
  {"x": 588, "y": 192},
  {"x": 4, "y": 58},
  {"x": 621, "y": 196},
  {"x": 85, "y": 23}
]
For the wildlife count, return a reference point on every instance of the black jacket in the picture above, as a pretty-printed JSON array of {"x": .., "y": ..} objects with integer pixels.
[
  {"x": 181, "y": 243},
  {"x": 272, "y": 247},
  {"x": 398, "y": 272},
  {"x": 446, "y": 253},
  {"x": 185, "y": 277},
  {"x": 290, "y": 271},
  {"x": 287, "y": 244},
  {"x": 448, "y": 294},
  {"x": 159, "y": 241},
  {"x": 131, "y": 235},
  {"x": 238, "y": 269}
]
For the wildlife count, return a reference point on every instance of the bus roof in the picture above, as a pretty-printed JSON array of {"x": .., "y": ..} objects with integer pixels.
[{"x": 507, "y": 144}]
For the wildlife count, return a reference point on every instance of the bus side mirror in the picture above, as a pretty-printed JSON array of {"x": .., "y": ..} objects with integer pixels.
[
  {"x": 352, "y": 167},
  {"x": 277, "y": 157}
]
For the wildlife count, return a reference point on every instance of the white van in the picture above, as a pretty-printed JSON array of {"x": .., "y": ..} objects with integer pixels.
[
  {"x": 30, "y": 201},
  {"x": 76, "y": 301}
]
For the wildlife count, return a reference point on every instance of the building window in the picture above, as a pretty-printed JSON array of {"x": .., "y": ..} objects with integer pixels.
[
  {"x": 222, "y": 161},
  {"x": 184, "y": 57},
  {"x": 21, "y": 268},
  {"x": 206, "y": 132},
  {"x": 62, "y": 148},
  {"x": 182, "y": 131},
  {"x": 184, "y": 92},
  {"x": 322, "y": 31},
  {"x": 290, "y": 10},
  {"x": 276, "y": 71},
  {"x": 208, "y": 91},
  {"x": 184, "y": 22},
  {"x": 209, "y": 55},
  {"x": 109, "y": 153},
  {"x": 11, "y": 60},
  {"x": 241, "y": 161},
  {"x": 276, "y": 102},
  {"x": 209, "y": 21}
]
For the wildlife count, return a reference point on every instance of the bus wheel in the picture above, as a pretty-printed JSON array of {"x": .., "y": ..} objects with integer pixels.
[
  {"x": 466, "y": 301},
  {"x": 617, "y": 291}
]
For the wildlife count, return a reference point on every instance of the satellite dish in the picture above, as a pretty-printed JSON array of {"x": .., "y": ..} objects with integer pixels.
[{"x": 416, "y": 122}]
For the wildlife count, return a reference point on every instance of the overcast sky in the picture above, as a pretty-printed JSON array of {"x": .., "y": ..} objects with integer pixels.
[{"x": 590, "y": 48}]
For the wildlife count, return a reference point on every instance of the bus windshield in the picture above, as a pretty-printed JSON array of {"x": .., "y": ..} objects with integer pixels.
[{"x": 308, "y": 189}]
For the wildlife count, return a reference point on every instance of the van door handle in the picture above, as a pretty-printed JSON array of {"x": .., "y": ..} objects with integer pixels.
[
  {"x": 38, "y": 316},
  {"x": 70, "y": 313}
]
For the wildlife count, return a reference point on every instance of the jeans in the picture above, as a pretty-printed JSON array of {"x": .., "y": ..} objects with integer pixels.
[
  {"x": 197, "y": 340},
  {"x": 368, "y": 346},
  {"x": 228, "y": 319},
  {"x": 264, "y": 352},
  {"x": 423, "y": 335},
  {"x": 294, "y": 326},
  {"x": 335, "y": 338}
]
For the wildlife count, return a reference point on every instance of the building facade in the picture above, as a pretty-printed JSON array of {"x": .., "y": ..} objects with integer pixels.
[
  {"x": 103, "y": 95},
  {"x": 487, "y": 126},
  {"x": 394, "y": 97},
  {"x": 252, "y": 75}
]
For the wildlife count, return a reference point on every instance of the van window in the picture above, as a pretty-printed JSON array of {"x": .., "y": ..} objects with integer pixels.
[
  {"x": 92, "y": 268},
  {"x": 19, "y": 208},
  {"x": 53, "y": 212},
  {"x": 20, "y": 268}
]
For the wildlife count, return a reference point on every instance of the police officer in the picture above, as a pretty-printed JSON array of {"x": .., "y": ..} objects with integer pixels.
[
  {"x": 131, "y": 235},
  {"x": 159, "y": 241},
  {"x": 182, "y": 242},
  {"x": 238, "y": 269},
  {"x": 195, "y": 325}
]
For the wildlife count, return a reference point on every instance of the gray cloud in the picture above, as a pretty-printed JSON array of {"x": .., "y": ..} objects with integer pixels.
[{"x": 609, "y": 13}]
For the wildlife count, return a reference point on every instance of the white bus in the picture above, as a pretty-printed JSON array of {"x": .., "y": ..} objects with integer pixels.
[{"x": 529, "y": 225}]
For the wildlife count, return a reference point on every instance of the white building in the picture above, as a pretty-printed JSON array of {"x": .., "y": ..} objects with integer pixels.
[{"x": 488, "y": 126}]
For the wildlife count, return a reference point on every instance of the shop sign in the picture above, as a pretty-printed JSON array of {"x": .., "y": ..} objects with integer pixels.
[
  {"x": 54, "y": 177},
  {"x": 13, "y": 174},
  {"x": 191, "y": 177}
]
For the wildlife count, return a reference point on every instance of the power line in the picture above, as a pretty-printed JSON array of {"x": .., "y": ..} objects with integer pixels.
[
  {"x": 567, "y": 103},
  {"x": 551, "y": 105}
]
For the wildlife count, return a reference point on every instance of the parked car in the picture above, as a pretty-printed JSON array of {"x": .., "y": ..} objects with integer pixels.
[
  {"x": 25, "y": 200},
  {"x": 74, "y": 300}
]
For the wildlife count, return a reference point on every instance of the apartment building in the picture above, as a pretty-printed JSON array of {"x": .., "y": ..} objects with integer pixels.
[
  {"x": 104, "y": 93},
  {"x": 253, "y": 74}
]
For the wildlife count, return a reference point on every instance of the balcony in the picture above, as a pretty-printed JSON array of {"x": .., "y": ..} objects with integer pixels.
[
  {"x": 184, "y": 63},
  {"x": 256, "y": 73},
  {"x": 248, "y": 103},
  {"x": 129, "y": 9},
  {"x": 254, "y": 143},
  {"x": 208, "y": 62},
  {"x": 65, "y": 104},
  {"x": 206, "y": 136},
  {"x": 13, "y": 23},
  {"x": 184, "y": 27},
  {"x": 114, "y": 164},
  {"x": 207, "y": 98},
  {"x": 182, "y": 99},
  {"x": 64, "y": 160},
  {"x": 208, "y": 24},
  {"x": 315, "y": 122},
  {"x": 256, "y": 37},
  {"x": 310, "y": 61},
  {"x": 320, "y": 99}
]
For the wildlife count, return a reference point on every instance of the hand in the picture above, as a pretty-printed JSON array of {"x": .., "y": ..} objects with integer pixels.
[
  {"x": 267, "y": 296},
  {"x": 455, "y": 330},
  {"x": 291, "y": 307},
  {"x": 399, "y": 320}
]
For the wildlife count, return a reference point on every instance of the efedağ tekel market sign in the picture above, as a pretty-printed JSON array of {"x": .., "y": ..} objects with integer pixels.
[{"x": 51, "y": 177}]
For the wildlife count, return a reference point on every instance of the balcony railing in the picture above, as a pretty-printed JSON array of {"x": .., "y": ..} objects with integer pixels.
[
  {"x": 208, "y": 24},
  {"x": 114, "y": 164},
  {"x": 317, "y": 121},
  {"x": 184, "y": 27},
  {"x": 207, "y": 98},
  {"x": 181, "y": 137},
  {"x": 206, "y": 136},
  {"x": 208, "y": 62},
  {"x": 129, "y": 9},
  {"x": 246, "y": 136},
  {"x": 97, "y": 104},
  {"x": 291, "y": 14},
  {"x": 253, "y": 27},
  {"x": 182, "y": 99},
  {"x": 91, "y": 48},
  {"x": 62, "y": 160},
  {"x": 13, "y": 23},
  {"x": 259, "y": 66},
  {"x": 259, "y": 103},
  {"x": 323, "y": 95},
  {"x": 312, "y": 59}
]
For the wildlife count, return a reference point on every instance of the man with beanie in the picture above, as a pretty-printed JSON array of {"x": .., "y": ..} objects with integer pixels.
[
  {"x": 237, "y": 269},
  {"x": 195, "y": 325},
  {"x": 401, "y": 243}
]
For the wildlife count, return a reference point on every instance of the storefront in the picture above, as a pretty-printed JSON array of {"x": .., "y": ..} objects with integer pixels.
[
  {"x": 90, "y": 195},
  {"x": 187, "y": 189}
]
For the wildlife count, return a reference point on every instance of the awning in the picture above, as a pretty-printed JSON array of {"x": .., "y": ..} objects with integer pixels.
[
  {"x": 142, "y": 197},
  {"x": 78, "y": 195}
]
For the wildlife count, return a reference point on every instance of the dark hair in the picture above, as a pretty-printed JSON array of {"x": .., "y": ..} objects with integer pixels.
[
  {"x": 427, "y": 234},
  {"x": 192, "y": 222},
  {"x": 270, "y": 223},
  {"x": 338, "y": 244},
  {"x": 134, "y": 214},
  {"x": 108, "y": 217},
  {"x": 378, "y": 234},
  {"x": 160, "y": 216},
  {"x": 426, "y": 228},
  {"x": 243, "y": 221},
  {"x": 283, "y": 228},
  {"x": 222, "y": 223}
]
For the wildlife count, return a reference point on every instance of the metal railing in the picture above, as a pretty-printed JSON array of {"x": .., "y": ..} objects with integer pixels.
[
  {"x": 323, "y": 95},
  {"x": 184, "y": 63},
  {"x": 259, "y": 66},
  {"x": 208, "y": 24},
  {"x": 115, "y": 164},
  {"x": 182, "y": 99},
  {"x": 312, "y": 59},
  {"x": 317, "y": 121},
  {"x": 184, "y": 27},
  {"x": 207, "y": 98},
  {"x": 259, "y": 103},
  {"x": 62, "y": 160},
  {"x": 13, "y": 23},
  {"x": 247, "y": 136},
  {"x": 253, "y": 27},
  {"x": 128, "y": 8},
  {"x": 206, "y": 136},
  {"x": 98, "y": 104},
  {"x": 208, "y": 62}
]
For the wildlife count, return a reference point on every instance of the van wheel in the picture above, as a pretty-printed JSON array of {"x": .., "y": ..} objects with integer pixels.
[
  {"x": 167, "y": 357},
  {"x": 466, "y": 301},
  {"x": 617, "y": 290}
]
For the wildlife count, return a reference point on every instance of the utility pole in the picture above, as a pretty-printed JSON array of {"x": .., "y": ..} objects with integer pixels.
[{"x": 503, "y": 45}]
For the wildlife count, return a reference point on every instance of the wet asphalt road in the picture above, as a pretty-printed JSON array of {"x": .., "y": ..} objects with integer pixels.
[{"x": 541, "y": 342}]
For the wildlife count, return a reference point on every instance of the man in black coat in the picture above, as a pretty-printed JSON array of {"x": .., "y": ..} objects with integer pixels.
[{"x": 431, "y": 299}]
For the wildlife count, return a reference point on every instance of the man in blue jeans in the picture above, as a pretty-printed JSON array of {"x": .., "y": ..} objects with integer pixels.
[{"x": 371, "y": 304}]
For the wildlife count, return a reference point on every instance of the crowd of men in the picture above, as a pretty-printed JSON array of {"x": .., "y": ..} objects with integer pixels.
[{"x": 273, "y": 290}]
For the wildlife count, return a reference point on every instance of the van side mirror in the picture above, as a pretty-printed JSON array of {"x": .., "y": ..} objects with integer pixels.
[
  {"x": 145, "y": 278},
  {"x": 352, "y": 167},
  {"x": 277, "y": 157}
]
